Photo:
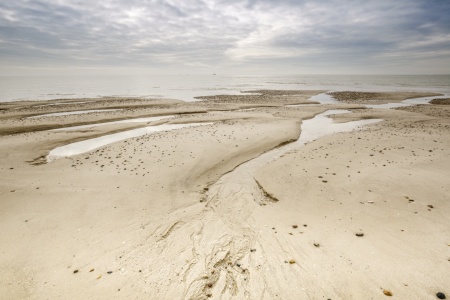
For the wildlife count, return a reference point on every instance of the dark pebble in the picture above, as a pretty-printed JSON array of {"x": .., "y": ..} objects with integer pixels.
[
  {"x": 109, "y": 272},
  {"x": 75, "y": 271},
  {"x": 441, "y": 295},
  {"x": 360, "y": 234}
]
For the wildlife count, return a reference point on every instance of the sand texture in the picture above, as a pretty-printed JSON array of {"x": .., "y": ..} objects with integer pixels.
[{"x": 231, "y": 208}]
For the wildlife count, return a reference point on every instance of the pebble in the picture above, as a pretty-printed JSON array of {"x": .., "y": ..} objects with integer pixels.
[
  {"x": 360, "y": 234},
  {"x": 294, "y": 226},
  {"x": 387, "y": 293},
  {"x": 75, "y": 271},
  {"x": 292, "y": 261},
  {"x": 441, "y": 295}
]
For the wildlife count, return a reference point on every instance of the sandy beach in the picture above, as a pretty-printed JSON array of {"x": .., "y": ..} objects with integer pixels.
[{"x": 232, "y": 207}]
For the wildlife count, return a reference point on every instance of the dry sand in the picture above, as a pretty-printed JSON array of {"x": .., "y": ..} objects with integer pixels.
[{"x": 180, "y": 215}]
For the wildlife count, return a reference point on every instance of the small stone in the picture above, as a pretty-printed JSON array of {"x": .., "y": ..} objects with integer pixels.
[
  {"x": 292, "y": 261},
  {"x": 75, "y": 271},
  {"x": 387, "y": 293},
  {"x": 360, "y": 234},
  {"x": 441, "y": 295},
  {"x": 316, "y": 245},
  {"x": 109, "y": 272},
  {"x": 91, "y": 270},
  {"x": 430, "y": 206},
  {"x": 294, "y": 226}
]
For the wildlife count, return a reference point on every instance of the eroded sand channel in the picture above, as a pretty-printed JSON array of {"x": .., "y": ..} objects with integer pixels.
[{"x": 224, "y": 233}]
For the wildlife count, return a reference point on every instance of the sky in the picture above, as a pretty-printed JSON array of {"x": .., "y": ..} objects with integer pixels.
[{"x": 251, "y": 37}]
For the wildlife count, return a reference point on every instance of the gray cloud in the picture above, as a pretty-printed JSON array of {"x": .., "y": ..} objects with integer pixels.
[{"x": 229, "y": 35}]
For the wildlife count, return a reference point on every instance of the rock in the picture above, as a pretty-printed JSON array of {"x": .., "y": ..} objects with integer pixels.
[
  {"x": 75, "y": 271},
  {"x": 441, "y": 295},
  {"x": 430, "y": 206},
  {"x": 292, "y": 261},
  {"x": 387, "y": 293},
  {"x": 360, "y": 234},
  {"x": 294, "y": 226},
  {"x": 109, "y": 272},
  {"x": 316, "y": 245}
]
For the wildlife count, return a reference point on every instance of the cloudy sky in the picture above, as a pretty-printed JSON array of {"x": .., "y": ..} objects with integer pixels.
[{"x": 224, "y": 37}]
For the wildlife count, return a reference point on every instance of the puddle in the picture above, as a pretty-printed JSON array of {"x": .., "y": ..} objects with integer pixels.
[
  {"x": 322, "y": 98},
  {"x": 137, "y": 120},
  {"x": 79, "y": 112},
  {"x": 91, "y": 144},
  {"x": 404, "y": 103}
]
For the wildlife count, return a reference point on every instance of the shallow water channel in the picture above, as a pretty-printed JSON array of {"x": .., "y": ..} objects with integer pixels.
[
  {"x": 407, "y": 102},
  {"x": 91, "y": 144},
  {"x": 240, "y": 183}
]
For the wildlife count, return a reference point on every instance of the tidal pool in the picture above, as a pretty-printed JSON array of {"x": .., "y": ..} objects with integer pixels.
[
  {"x": 91, "y": 144},
  {"x": 407, "y": 102}
]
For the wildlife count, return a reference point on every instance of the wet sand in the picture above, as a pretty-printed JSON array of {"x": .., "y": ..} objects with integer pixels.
[{"x": 170, "y": 216}]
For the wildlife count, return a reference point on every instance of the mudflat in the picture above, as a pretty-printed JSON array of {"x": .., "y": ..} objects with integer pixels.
[{"x": 194, "y": 213}]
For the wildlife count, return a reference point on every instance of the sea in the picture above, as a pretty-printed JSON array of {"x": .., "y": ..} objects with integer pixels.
[{"x": 187, "y": 87}]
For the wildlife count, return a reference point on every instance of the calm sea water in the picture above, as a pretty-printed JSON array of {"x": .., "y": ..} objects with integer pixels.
[{"x": 186, "y": 87}]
